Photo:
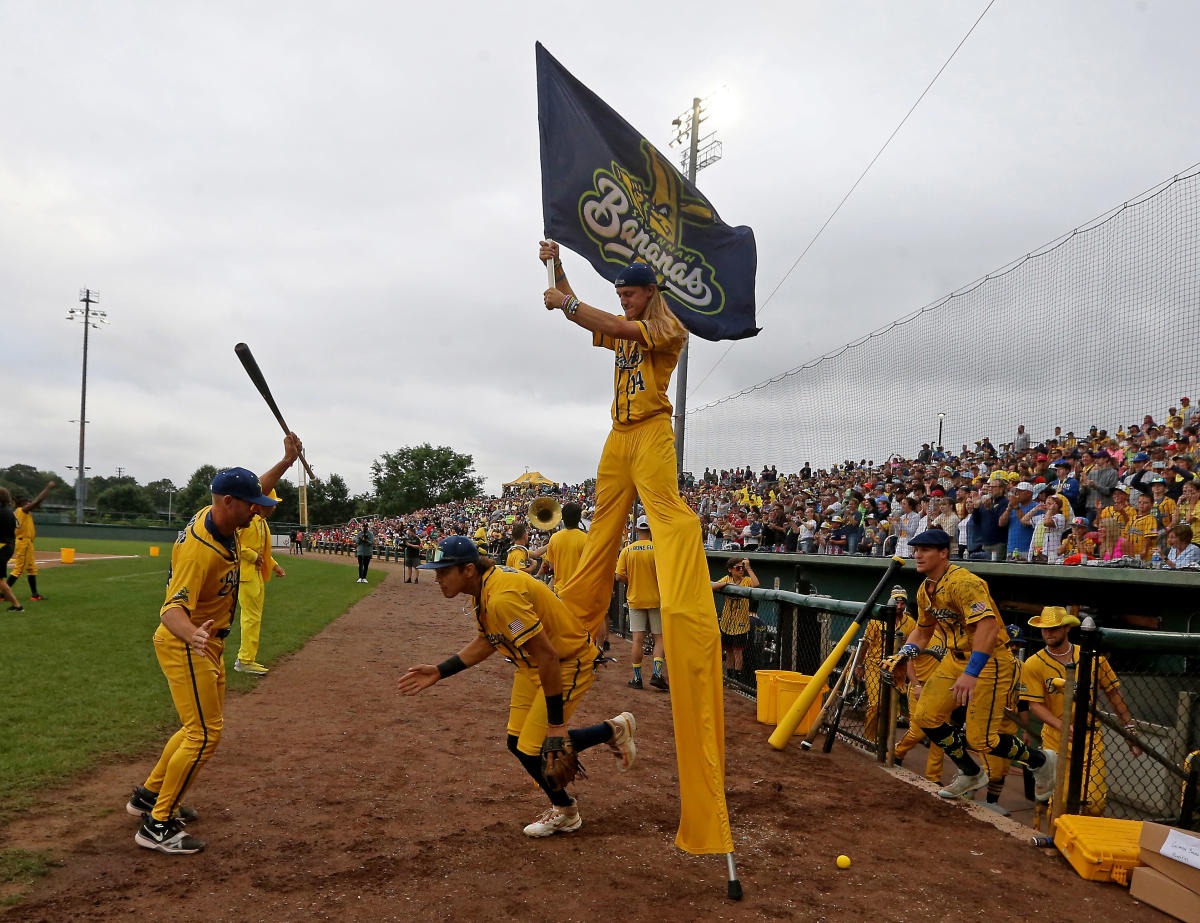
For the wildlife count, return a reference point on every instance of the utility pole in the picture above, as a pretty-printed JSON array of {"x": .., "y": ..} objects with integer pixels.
[
  {"x": 91, "y": 319},
  {"x": 700, "y": 153}
]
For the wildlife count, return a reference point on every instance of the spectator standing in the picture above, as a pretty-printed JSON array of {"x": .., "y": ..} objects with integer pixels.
[
  {"x": 991, "y": 534},
  {"x": 412, "y": 556},
  {"x": 1019, "y": 532},
  {"x": 735, "y": 615},
  {"x": 1048, "y": 523},
  {"x": 1021, "y": 441},
  {"x": 635, "y": 569},
  {"x": 364, "y": 548}
]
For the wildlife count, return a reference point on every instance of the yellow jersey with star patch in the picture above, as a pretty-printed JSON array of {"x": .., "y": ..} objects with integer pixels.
[
  {"x": 641, "y": 375},
  {"x": 957, "y": 601},
  {"x": 514, "y": 607},
  {"x": 203, "y": 579}
]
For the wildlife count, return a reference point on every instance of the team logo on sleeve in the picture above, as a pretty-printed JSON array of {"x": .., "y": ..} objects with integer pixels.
[{"x": 181, "y": 596}]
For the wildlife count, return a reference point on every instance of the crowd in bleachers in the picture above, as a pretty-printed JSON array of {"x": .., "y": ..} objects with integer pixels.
[{"x": 1124, "y": 497}]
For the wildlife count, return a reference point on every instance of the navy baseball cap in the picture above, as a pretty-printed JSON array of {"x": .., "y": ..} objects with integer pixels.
[
  {"x": 636, "y": 273},
  {"x": 1141, "y": 457},
  {"x": 930, "y": 538},
  {"x": 1015, "y": 634},
  {"x": 455, "y": 549},
  {"x": 242, "y": 484}
]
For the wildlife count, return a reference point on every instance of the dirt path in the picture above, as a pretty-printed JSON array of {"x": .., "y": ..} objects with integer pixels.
[{"x": 333, "y": 798}]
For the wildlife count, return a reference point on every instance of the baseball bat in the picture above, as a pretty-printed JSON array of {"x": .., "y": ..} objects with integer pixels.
[
  {"x": 260, "y": 382},
  {"x": 783, "y": 733},
  {"x": 835, "y": 717},
  {"x": 832, "y": 701}
]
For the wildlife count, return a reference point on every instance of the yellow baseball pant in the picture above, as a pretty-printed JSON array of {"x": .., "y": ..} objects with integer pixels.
[
  {"x": 197, "y": 687},
  {"x": 252, "y": 595},
  {"x": 640, "y": 460},
  {"x": 23, "y": 560},
  {"x": 527, "y": 707},
  {"x": 985, "y": 712}
]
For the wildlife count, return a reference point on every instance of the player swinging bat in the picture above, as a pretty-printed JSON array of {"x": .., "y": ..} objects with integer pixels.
[{"x": 260, "y": 382}]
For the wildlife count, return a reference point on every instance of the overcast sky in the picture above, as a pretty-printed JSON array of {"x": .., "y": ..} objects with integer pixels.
[{"x": 353, "y": 190}]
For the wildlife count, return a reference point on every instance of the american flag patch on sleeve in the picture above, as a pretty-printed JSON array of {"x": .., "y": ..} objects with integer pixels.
[
  {"x": 515, "y": 627},
  {"x": 977, "y": 608}
]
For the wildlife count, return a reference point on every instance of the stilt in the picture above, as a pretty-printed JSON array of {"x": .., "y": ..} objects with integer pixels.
[{"x": 735, "y": 886}]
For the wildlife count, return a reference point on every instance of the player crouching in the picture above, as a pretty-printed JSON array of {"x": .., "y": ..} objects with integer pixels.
[{"x": 554, "y": 656}]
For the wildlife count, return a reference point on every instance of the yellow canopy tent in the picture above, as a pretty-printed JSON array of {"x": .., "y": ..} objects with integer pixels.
[{"x": 530, "y": 480}]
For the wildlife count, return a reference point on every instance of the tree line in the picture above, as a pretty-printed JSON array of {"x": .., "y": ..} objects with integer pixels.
[{"x": 408, "y": 479}]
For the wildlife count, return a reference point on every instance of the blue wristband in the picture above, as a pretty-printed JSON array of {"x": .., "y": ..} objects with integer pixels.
[
  {"x": 977, "y": 662},
  {"x": 910, "y": 650}
]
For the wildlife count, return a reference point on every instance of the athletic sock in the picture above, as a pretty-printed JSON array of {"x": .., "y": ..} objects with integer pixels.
[
  {"x": 637, "y": 672},
  {"x": 995, "y": 787},
  {"x": 33, "y": 585},
  {"x": 583, "y": 738},
  {"x": 954, "y": 745},
  {"x": 1011, "y": 748},
  {"x": 533, "y": 765},
  {"x": 658, "y": 666},
  {"x": 11, "y": 580}
]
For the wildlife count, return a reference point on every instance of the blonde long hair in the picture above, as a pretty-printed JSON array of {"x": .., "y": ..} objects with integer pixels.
[{"x": 662, "y": 323}]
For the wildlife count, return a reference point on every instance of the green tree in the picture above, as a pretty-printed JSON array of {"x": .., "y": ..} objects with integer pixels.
[
  {"x": 161, "y": 494},
  {"x": 125, "y": 498},
  {"x": 420, "y": 476},
  {"x": 28, "y": 481},
  {"x": 329, "y": 501},
  {"x": 197, "y": 494}
]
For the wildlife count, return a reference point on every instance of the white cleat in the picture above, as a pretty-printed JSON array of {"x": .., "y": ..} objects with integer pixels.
[
  {"x": 556, "y": 820},
  {"x": 964, "y": 786},
  {"x": 623, "y": 744}
]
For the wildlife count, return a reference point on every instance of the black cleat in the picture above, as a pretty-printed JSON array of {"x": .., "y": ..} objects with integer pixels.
[
  {"x": 635, "y": 683},
  {"x": 659, "y": 683},
  {"x": 166, "y": 836}
]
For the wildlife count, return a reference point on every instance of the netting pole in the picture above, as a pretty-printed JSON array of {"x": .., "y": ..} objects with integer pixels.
[{"x": 1089, "y": 639}]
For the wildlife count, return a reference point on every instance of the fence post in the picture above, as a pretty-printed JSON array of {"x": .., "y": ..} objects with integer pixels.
[{"x": 1089, "y": 640}]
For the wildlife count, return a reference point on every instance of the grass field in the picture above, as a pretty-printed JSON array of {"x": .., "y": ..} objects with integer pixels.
[{"x": 79, "y": 681}]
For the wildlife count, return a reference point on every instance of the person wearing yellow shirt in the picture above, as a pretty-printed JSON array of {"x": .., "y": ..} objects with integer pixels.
[
  {"x": 518, "y": 553},
  {"x": 977, "y": 673},
  {"x": 1141, "y": 532},
  {"x": 195, "y": 619},
  {"x": 635, "y": 568},
  {"x": 565, "y": 547},
  {"x": 257, "y": 567},
  {"x": 23, "y": 560},
  {"x": 555, "y": 660},
  {"x": 735, "y": 615},
  {"x": 868, "y": 669},
  {"x": 1042, "y": 677}
]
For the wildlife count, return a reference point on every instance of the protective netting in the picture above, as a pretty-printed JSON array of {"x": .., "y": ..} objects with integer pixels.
[{"x": 1099, "y": 327}]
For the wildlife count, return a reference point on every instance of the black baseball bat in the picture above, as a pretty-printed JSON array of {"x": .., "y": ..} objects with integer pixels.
[{"x": 260, "y": 382}]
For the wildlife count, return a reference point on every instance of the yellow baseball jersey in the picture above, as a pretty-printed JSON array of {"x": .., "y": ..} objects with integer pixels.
[
  {"x": 641, "y": 375},
  {"x": 957, "y": 601},
  {"x": 873, "y": 638},
  {"x": 564, "y": 551},
  {"x": 1037, "y": 674},
  {"x": 1124, "y": 516},
  {"x": 636, "y": 564},
  {"x": 254, "y": 549},
  {"x": 1141, "y": 536},
  {"x": 735, "y": 617},
  {"x": 518, "y": 557},
  {"x": 514, "y": 607},
  {"x": 1069, "y": 546},
  {"x": 26, "y": 530},
  {"x": 204, "y": 574}
]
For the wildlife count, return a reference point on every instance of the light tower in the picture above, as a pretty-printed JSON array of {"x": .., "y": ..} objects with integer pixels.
[{"x": 91, "y": 319}]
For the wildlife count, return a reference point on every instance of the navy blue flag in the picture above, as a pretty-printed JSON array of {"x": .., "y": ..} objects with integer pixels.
[{"x": 609, "y": 195}]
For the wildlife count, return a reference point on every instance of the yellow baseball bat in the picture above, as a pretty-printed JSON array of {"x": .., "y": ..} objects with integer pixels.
[{"x": 783, "y": 733}]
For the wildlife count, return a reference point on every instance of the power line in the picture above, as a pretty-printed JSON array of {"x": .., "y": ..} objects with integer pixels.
[{"x": 849, "y": 193}]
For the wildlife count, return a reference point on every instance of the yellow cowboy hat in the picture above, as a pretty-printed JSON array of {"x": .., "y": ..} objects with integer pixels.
[{"x": 1054, "y": 617}]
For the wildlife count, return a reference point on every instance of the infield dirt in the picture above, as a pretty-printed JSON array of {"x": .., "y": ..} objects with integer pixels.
[{"x": 332, "y": 797}]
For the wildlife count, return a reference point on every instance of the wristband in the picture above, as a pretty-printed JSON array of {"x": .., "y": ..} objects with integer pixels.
[
  {"x": 977, "y": 662},
  {"x": 570, "y": 306},
  {"x": 450, "y": 666},
  {"x": 554, "y": 709},
  {"x": 910, "y": 650}
]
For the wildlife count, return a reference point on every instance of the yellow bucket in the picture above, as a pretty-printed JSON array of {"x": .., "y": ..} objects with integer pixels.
[
  {"x": 67, "y": 555},
  {"x": 777, "y": 690},
  {"x": 154, "y": 551}
]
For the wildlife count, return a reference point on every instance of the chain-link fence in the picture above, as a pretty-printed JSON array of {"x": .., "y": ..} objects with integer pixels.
[{"x": 1135, "y": 726}]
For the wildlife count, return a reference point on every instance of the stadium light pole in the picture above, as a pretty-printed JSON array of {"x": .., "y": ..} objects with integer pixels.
[
  {"x": 699, "y": 153},
  {"x": 91, "y": 319},
  {"x": 941, "y": 420}
]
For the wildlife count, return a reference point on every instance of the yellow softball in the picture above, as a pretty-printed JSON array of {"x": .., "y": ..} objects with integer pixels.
[{"x": 843, "y": 862}]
